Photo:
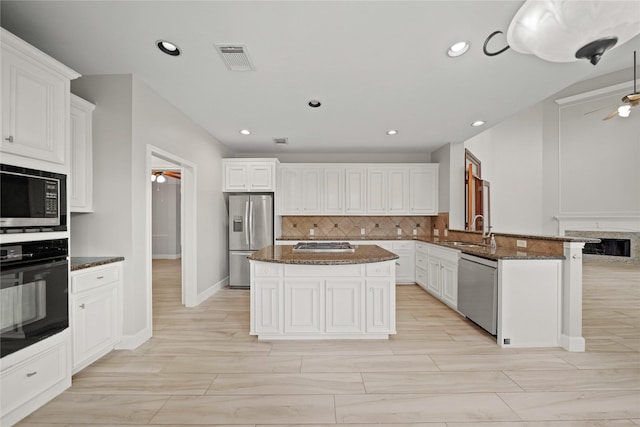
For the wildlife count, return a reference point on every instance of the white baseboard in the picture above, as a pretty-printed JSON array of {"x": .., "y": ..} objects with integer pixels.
[
  {"x": 212, "y": 290},
  {"x": 131, "y": 342},
  {"x": 574, "y": 344},
  {"x": 166, "y": 256}
]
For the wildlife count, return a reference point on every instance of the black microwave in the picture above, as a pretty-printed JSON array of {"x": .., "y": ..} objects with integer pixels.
[{"x": 32, "y": 200}]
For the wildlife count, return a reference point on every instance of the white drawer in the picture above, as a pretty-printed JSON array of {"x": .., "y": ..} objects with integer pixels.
[
  {"x": 421, "y": 247},
  {"x": 266, "y": 269},
  {"x": 26, "y": 380},
  {"x": 451, "y": 255},
  {"x": 93, "y": 278},
  {"x": 421, "y": 277},
  {"x": 406, "y": 245},
  {"x": 379, "y": 269},
  {"x": 421, "y": 260}
]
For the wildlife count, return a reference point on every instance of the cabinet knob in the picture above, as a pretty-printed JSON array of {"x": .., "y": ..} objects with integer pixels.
[
  {"x": 9, "y": 138},
  {"x": 30, "y": 374},
  {"x": 82, "y": 306},
  {"x": 100, "y": 277}
]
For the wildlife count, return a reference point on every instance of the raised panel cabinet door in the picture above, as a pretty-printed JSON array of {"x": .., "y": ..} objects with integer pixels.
[
  {"x": 376, "y": 191},
  {"x": 405, "y": 267},
  {"x": 433, "y": 276},
  {"x": 398, "y": 197},
  {"x": 355, "y": 191},
  {"x": 449, "y": 281},
  {"x": 378, "y": 305},
  {"x": 343, "y": 302},
  {"x": 312, "y": 181},
  {"x": 290, "y": 191},
  {"x": 423, "y": 190},
  {"x": 95, "y": 325},
  {"x": 267, "y": 305},
  {"x": 261, "y": 177},
  {"x": 34, "y": 113},
  {"x": 333, "y": 191},
  {"x": 80, "y": 182},
  {"x": 302, "y": 305},
  {"x": 236, "y": 177}
]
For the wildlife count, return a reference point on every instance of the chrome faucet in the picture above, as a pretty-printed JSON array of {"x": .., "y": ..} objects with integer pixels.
[{"x": 486, "y": 231}]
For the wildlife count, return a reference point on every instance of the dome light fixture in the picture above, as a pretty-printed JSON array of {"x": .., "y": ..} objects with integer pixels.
[
  {"x": 168, "y": 47},
  {"x": 457, "y": 49},
  {"x": 245, "y": 132},
  {"x": 477, "y": 123},
  {"x": 160, "y": 179},
  {"x": 624, "y": 110},
  {"x": 392, "y": 132}
]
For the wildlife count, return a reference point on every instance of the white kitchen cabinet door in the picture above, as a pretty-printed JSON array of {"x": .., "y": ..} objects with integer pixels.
[
  {"x": 398, "y": 188},
  {"x": 333, "y": 191},
  {"x": 433, "y": 277},
  {"x": 289, "y": 191},
  {"x": 236, "y": 177},
  {"x": 378, "y": 316},
  {"x": 80, "y": 183},
  {"x": 302, "y": 302},
  {"x": 249, "y": 175},
  {"x": 405, "y": 267},
  {"x": 267, "y": 306},
  {"x": 377, "y": 182},
  {"x": 261, "y": 177},
  {"x": 35, "y": 102},
  {"x": 95, "y": 324},
  {"x": 449, "y": 283},
  {"x": 343, "y": 305},
  {"x": 312, "y": 183},
  {"x": 355, "y": 191},
  {"x": 423, "y": 190}
]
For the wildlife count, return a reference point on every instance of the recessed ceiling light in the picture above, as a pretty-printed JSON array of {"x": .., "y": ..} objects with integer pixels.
[
  {"x": 458, "y": 49},
  {"x": 477, "y": 123},
  {"x": 245, "y": 132},
  {"x": 392, "y": 132},
  {"x": 314, "y": 103},
  {"x": 168, "y": 47}
]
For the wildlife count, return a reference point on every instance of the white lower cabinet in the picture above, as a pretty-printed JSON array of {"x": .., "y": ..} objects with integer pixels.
[
  {"x": 95, "y": 313},
  {"x": 442, "y": 274},
  {"x": 291, "y": 301},
  {"x": 33, "y": 376}
]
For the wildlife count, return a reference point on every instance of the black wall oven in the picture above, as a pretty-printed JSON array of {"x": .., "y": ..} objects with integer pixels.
[
  {"x": 32, "y": 200},
  {"x": 34, "y": 292}
]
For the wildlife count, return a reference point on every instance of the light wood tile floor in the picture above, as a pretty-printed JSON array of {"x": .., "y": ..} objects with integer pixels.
[{"x": 202, "y": 368}]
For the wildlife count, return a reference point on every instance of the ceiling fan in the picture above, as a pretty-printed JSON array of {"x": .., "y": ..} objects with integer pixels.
[{"x": 628, "y": 101}]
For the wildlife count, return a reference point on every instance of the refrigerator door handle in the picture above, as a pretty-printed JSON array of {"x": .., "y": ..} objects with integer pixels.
[
  {"x": 246, "y": 221},
  {"x": 251, "y": 219}
]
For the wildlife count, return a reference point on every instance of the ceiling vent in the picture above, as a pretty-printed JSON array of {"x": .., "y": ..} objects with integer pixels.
[
  {"x": 235, "y": 57},
  {"x": 281, "y": 140}
]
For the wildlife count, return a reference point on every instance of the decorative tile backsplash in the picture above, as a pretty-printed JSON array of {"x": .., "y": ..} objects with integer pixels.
[{"x": 340, "y": 227}]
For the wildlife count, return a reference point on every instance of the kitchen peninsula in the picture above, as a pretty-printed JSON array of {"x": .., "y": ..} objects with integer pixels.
[{"x": 297, "y": 294}]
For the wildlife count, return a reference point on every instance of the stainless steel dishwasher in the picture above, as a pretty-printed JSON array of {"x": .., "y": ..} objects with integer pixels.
[{"x": 478, "y": 291}]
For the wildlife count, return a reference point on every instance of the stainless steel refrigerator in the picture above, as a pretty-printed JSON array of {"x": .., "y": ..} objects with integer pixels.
[{"x": 250, "y": 229}]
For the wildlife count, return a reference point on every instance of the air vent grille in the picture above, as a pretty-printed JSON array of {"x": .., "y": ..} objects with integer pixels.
[
  {"x": 235, "y": 57},
  {"x": 281, "y": 140}
]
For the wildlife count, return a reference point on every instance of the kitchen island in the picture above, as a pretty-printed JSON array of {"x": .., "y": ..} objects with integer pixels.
[{"x": 323, "y": 295}]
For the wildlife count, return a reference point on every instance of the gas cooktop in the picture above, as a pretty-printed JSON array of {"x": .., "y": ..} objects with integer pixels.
[{"x": 324, "y": 247}]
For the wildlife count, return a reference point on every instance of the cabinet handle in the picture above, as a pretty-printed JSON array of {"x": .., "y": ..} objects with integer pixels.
[
  {"x": 82, "y": 306},
  {"x": 10, "y": 138},
  {"x": 100, "y": 277},
  {"x": 30, "y": 374},
  {"x": 397, "y": 263}
]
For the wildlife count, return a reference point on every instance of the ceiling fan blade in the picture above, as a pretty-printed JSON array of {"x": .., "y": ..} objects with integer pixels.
[
  {"x": 602, "y": 108},
  {"x": 611, "y": 115},
  {"x": 634, "y": 97}
]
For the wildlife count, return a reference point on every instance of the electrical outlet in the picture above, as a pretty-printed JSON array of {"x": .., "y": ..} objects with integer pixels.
[
  {"x": 446, "y": 232},
  {"x": 521, "y": 243},
  {"x": 436, "y": 232},
  {"x": 399, "y": 231},
  {"x": 312, "y": 232},
  {"x": 415, "y": 232},
  {"x": 362, "y": 231}
]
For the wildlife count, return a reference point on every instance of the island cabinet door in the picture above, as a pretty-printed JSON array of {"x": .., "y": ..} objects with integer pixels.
[
  {"x": 378, "y": 305},
  {"x": 343, "y": 305},
  {"x": 302, "y": 302},
  {"x": 267, "y": 306}
]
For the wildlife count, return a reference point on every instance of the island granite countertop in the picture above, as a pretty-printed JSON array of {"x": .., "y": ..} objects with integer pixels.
[
  {"x": 284, "y": 254},
  {"x": 80, "y": 263}
]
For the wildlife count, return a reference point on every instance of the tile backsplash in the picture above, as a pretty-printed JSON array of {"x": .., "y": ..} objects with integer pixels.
[{"x": 339, "y": 227}]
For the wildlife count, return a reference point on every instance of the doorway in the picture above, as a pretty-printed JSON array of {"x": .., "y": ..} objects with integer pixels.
[{"x": 171, "y": 233}]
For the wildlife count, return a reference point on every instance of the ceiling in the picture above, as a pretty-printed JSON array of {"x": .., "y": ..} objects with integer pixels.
[{"x": 374, "y": 65}]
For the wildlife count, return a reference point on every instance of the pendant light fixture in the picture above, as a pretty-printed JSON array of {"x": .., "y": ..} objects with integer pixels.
[{"x": 569, "y": 30}]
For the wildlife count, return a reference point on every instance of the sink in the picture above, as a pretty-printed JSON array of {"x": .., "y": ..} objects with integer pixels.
[{"x": 465, "y": 244}]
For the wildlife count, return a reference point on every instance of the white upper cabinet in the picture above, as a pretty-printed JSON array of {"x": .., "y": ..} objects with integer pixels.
[
  {"x": 423, "y": 190},
  {"x": 249, "y": 175},
  {"x": 81, "y": 176},
  {"x": 358, "y": 189},
  {"x": 35, "y": 104}
]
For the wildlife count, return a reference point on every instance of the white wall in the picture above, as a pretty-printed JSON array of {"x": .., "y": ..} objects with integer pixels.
[
  {"x": 128, "y": 116},
  {"x": 166, "y": 219}
]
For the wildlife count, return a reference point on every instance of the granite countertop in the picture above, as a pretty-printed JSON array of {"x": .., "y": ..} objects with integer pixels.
[
  {"x": 80, "y": 263},
  {"x": 284, "y": 254}
]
